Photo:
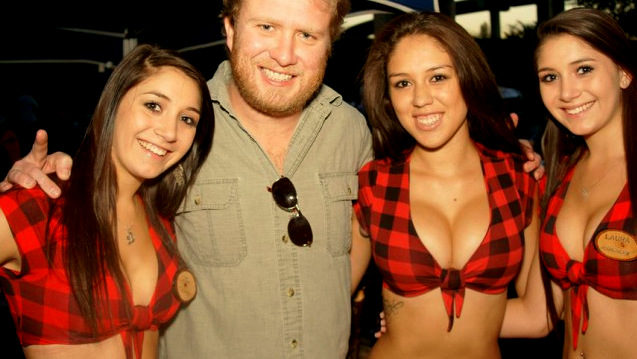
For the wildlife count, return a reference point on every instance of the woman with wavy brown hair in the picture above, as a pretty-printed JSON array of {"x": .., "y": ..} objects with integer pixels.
[{"x": 446, "y": 205}]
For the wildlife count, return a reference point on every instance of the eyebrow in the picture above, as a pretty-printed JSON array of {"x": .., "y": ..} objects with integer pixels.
[
  {"x": 431, "y": 69},
  {"x": 161, "y": 95},
  {"x": 303, "y": 28},
  {"x": 576, "y": 62}
]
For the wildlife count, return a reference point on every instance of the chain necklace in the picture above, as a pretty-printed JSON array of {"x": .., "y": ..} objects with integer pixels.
[{"x": 585, "y": 191}]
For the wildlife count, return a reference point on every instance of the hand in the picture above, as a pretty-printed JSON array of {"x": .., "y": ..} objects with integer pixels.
[
  {"x": 534, "y": 163},
  {"x": 35, "y": 166},
  {"x": 383, "y": 326}
]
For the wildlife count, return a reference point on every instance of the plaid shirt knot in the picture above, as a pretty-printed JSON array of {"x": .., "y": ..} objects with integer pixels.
[
  {"x": 142, "y": 318},
  {"x": 452, "y": 286},
  {"x": 575, "y": 273}
]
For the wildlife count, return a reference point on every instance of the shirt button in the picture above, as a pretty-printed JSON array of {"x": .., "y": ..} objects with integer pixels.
[
  {"x": 284, "y": 238},
  {"x": 197, "y": 201},
  {"x": 349, "y": 190},
  {"x": 294, "y": 344},
  {"x": 290, "y": 292}
]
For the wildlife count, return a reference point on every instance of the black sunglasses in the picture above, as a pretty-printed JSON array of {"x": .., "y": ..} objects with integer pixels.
[{"x": 284, "y": 195}]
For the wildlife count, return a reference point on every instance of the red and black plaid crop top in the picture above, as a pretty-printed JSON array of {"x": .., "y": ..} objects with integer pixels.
[
  {"x": 39, "y": 296},
  {"x": 611, "y": 277},
  {"x": 406, "y": 265}
]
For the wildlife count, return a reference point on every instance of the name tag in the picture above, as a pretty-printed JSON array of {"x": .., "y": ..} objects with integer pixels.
[{"x": 617, "y": 245}]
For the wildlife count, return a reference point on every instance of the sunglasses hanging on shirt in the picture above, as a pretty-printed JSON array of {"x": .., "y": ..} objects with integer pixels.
[{"x": 284, "y": 195}]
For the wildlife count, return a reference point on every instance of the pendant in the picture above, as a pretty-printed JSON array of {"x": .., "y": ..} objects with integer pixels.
[
  {"x": 184, "y": 285},
  {"x": 130, "y": 237}
]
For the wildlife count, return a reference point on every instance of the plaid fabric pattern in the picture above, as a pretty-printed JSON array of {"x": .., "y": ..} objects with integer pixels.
[
  {"x": 39, "y": 296},
  {"x": 614, "y": 278},
  {"x": 406, "y": 265}
]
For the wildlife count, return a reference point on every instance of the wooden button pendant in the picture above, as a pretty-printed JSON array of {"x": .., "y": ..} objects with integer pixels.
[{"x": 185, "y": 286}]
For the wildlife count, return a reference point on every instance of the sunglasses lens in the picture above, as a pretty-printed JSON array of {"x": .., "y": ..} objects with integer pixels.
[
  {"x": 300, "y": 231},
  {"x": 284, "y": 193}
]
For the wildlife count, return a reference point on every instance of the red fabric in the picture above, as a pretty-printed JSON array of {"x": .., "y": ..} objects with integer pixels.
[
  {"x": 40, "y": 298},
  {"x": 616, "y": 279},
  {"x": 408, "y": 268}
]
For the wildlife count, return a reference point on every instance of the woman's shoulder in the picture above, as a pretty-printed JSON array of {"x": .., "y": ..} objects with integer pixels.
[
  {"x": 30, "y": 201},
  {"x": 385, "y": 164},
  {"x": 514, "y": 161}
]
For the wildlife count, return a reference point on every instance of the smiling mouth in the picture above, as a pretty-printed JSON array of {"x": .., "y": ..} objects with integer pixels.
[
  {"x": 429, "y": 120},
  {"x": 579, "y": 109},
  {"x": 276, "y": 76},
  {"x": 153, "y": 148}
]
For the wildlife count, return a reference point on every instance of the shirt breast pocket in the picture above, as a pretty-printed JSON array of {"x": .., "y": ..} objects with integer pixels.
[
  {"x": 339, "y": 190},
  {"x": 210, "y": 226}
]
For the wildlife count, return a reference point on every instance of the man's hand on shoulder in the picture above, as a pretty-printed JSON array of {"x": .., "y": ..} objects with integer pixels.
[
  {"x": 534, "y": 164},
  {"x": 34, "y": 167}
]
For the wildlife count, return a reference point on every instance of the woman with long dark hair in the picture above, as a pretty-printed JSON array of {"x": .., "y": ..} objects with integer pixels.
[
  {"x": 587, "y": 242},
  {"x": 95, "y": 273},
  {"x": 446, "y": 204}
]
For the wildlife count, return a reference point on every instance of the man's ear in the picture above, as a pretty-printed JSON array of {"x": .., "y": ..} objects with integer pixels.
[{"x": 229, "y": 27}]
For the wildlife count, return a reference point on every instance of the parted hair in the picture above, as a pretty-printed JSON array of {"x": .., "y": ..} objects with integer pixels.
[
  {"x": 560, "y": 147},
  {"x": 488, "y": 121},
  {"x": 90, "y": 195}
]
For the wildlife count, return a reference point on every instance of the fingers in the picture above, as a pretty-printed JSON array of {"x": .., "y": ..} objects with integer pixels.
[
  {"x": 27, "y": 175},
  {"x": 59, "y": 162},
  {"x": 383, "y": 326},
  {"x": 534, "y": 164},
  {"x": 515, "y": 118},
  {"x": 35, "y": 166},
  {"x": 527, "y": 147},
  {"x": 5, "y": 186},
  {"x": 40, "y": 147}
]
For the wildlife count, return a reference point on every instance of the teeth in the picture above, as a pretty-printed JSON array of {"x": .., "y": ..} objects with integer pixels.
[
  {"x": 152, "y": 148},
  {"x": 276, "y": 76},
  {"x": 579, "y": 109},
  {"x": 429, "y": 120}
]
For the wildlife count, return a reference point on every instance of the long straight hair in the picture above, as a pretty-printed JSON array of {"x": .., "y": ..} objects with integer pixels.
[
  {"x": 561, "y": 148},
  {"x": 89, "y": 210},
  {"x": 489, "y": 124}
]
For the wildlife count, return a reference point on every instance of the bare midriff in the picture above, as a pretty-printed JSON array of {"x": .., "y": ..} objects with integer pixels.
[
  {"x": 417, "y": 327},
  {"x": 112, "y": 347},
  {"x": 611, "y": 329}
]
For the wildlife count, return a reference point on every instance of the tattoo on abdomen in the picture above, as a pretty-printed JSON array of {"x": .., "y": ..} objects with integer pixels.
[{"x": 391, "y": 307}]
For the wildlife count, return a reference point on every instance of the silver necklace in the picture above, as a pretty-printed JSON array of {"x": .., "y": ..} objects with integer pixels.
[{"x": 586, "y": 192}]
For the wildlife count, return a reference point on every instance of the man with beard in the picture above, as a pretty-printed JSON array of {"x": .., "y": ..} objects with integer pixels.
[{"x": 273, "y": 277}]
